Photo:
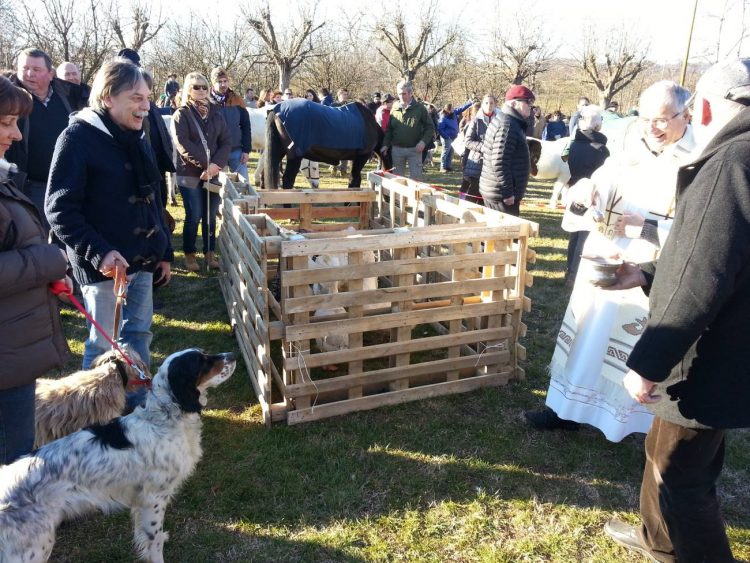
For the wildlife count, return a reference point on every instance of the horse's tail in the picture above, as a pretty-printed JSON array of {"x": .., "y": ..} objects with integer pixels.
[{"x": 272, "y": 154}]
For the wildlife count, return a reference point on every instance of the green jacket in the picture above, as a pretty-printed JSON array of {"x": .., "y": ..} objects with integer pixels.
[{"x": 407, "y": 127}]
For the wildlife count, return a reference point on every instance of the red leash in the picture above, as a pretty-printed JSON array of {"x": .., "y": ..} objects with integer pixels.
[{"x": 59, "y": 288}]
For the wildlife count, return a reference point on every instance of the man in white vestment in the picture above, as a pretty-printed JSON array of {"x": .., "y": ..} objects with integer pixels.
[{"x": 635, "y": 191}]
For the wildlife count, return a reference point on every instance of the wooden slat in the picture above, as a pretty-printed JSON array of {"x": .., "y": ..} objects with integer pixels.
[
  {"x": 395, "y": 397},
  {"x": 398, "y": 293},
  {"x": 391, "y": 348},
  {"x": 411, "y": 318},
  {"x": 278, "y": 197},
  {"x": 408, "y": 238},
  {"x": 390, "y": 374},
  {"x": 389, "y": 267}
]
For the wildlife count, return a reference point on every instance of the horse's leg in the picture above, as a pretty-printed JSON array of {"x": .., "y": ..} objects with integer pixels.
[
  {"x": 358, "y": 163},
  {"x": 290, "y": 173},
  {"x": 272, "y": 155}
]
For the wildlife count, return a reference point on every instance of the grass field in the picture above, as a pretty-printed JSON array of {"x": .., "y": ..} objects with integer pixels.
[{"x": 460, "y": 478}]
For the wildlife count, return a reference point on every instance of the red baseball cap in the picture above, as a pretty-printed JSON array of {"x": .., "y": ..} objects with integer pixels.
[{"x": 519, "y": 92}]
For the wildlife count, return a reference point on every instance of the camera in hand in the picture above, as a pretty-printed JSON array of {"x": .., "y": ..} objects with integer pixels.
[{"x": 577, "y": 208}]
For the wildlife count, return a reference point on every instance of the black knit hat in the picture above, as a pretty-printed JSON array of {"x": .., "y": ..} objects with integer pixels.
[{"x": 131, "y": 55}]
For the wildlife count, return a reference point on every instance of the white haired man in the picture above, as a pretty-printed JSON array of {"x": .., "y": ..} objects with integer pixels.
[
  {"x": 690, "y": 365},
  {"x": 600, "y": 328},
  {"x": 410, "y": 128},
  {"x": 69, "y": 71}
]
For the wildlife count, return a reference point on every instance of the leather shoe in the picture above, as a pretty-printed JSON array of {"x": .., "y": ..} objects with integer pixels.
[
  {"x": 547, "y": 419},
  {"x": 627, "y": 536}
]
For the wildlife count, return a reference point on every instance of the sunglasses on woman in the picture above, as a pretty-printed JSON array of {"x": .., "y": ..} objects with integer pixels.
[{"x": 199, "y": 87}]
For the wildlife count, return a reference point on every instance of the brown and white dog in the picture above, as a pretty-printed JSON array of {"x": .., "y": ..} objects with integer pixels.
[
  {"x": 86, "y": 397},
  {"x": 137, "y": 462}
]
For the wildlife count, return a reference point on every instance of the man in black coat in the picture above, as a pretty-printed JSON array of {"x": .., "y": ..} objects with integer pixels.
[
  {"x": 690, "y": 364},
  {"x": 54, "y": 101},
  {"x": 505, "y": 153}
]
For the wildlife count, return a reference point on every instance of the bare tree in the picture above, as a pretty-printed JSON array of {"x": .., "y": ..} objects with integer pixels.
[
  {"x": 142, "y": 28},
  {"x": 290, "y": 48},
  {"x": 195, "y": 44},
  {"x": 407, "y": 55},
  {"x": 522, "y": 49},
  {"x": 8, "y": 30},
  {"x": 69, "y": 31},
  {"x": 437, "y": 81},
  {"x": 611, "y": 60}
]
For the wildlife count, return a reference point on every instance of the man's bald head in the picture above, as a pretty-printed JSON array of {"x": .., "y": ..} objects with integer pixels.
[{"x": 69, "y": 71}]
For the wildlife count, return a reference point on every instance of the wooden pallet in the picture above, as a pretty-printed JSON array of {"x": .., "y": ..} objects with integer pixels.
[
  {"x": 419, "y": 312},
  {"x": 309, "y": 210}
]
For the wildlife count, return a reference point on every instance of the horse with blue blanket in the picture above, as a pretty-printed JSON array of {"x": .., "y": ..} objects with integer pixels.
[{"x": 299, "y": 128}]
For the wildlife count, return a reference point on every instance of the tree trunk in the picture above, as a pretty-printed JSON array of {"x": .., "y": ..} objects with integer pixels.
[{"x": 285, "y": 75}]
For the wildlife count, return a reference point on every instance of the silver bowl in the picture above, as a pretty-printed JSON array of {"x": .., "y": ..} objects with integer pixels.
[{"x": 603, "y": 270}]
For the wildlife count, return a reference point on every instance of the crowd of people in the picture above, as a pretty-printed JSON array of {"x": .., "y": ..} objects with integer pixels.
[{"x": 82, "y": 195}]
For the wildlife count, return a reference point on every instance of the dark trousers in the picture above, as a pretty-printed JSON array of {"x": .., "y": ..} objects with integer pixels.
[
  {"x": 498, "y": 205},
  {"x": 16, "y": 422},
  {"x": 470, "y": 190},
  {"x": 575, "y": 249},
  {"x": 680, "y": 512}
]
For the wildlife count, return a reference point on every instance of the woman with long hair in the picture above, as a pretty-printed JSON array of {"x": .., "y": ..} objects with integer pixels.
[
  {"x": 264, "y": 97},
  {"x": 199, "y": 125},
  {"x": 31, "y": 338}
]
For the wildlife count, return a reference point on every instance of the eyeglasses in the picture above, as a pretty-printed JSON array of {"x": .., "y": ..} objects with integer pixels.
[
  {"x": 660, "y": 122},
  {"x": 287, "y": 93},
  {"x": 199, "y": 87}
]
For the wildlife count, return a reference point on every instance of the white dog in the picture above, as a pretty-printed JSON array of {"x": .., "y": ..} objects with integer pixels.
[{"x": 137, "y": 461}]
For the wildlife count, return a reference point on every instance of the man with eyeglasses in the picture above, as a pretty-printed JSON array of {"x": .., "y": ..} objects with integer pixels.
[
  {"x": 288, "y": 94},
  {"x": 410, "y": 128},
  {"x": 505, "y": 153},
  {"x": 635, "y": 185},
  {"x": 690, "y": 365},
  {"x": 238, "y": 120}
]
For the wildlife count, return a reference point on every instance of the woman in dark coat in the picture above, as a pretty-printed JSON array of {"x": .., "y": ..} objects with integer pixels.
[
  {"x": 31, "y": 338},
  {"x": 586, "y": 153},
  {"x": 198, "y": 116}
]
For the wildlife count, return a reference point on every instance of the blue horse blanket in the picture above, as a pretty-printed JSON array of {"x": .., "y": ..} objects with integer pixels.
[{"x": 308, "y": 124}]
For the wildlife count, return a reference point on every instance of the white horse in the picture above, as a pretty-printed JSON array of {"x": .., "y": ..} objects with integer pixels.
[{"x": 549, "y": 164}]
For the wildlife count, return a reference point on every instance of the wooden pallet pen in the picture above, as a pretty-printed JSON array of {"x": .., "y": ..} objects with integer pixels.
[
  {"x": 410, "y": 312},
  {"x": 310, "y": 210}
]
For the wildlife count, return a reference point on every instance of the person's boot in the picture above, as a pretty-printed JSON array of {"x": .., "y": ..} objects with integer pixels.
[
  {"x": 211, "y": 261},
  {"x": 191, "y": 264},
  {"x": 547, "y": 419}
]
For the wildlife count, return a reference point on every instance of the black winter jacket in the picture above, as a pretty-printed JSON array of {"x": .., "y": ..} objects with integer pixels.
[
  {"x": 695, "y": 343},
  {"x": 588, "y": 152},
  {"x": 505, "y": 157},
  {"x": 93, "y": 206}
]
